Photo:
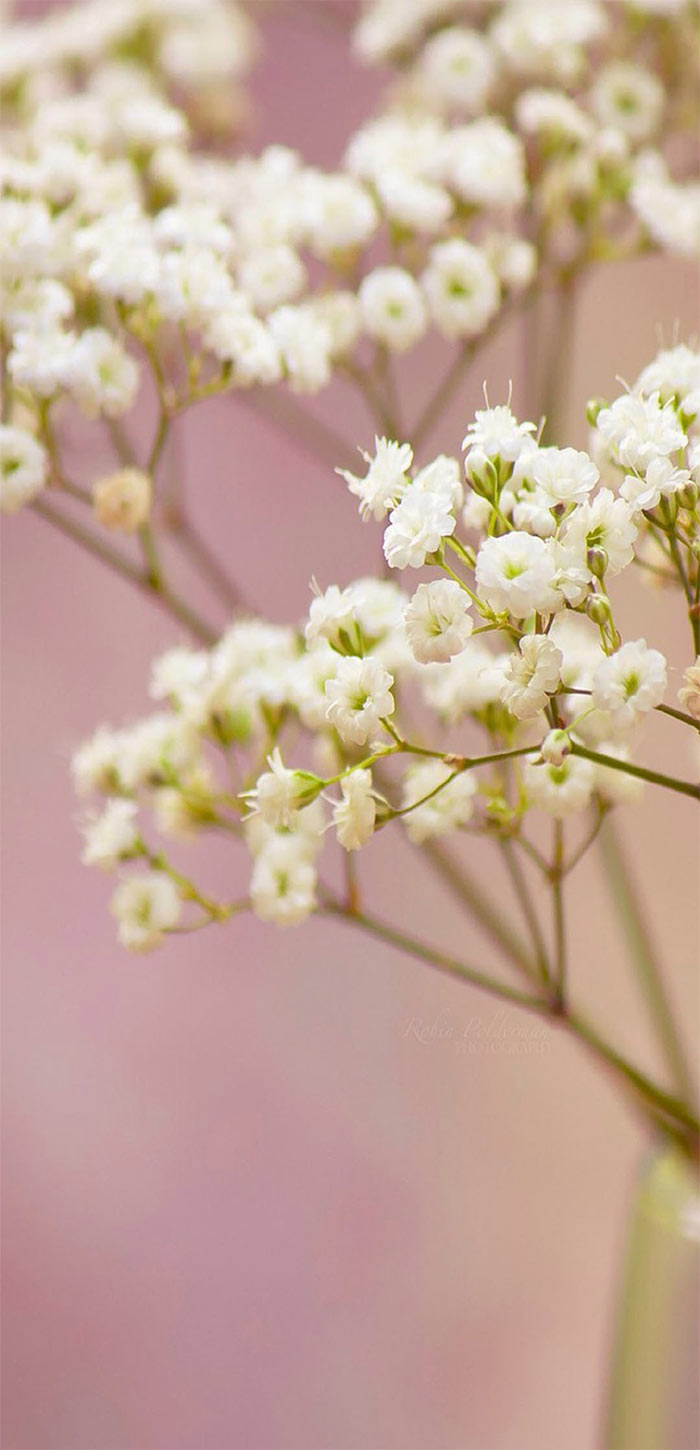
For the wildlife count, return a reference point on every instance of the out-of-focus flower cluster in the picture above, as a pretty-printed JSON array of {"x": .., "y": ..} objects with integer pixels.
[
  {"x": 507, "y": 653},
  {"x": 519, "y": 141}
]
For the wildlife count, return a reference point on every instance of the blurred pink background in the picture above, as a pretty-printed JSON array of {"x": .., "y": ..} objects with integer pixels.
[{"x": 245, "y": 1207}]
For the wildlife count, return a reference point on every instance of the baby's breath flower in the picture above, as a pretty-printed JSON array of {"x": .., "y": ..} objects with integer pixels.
[
  {"x": 386, "y": 479},
  {"x": 359, "y": 698},
  {"x": 283, "y": 882},
  {"x": 689, "y": 693},
  {"x": 123, "y": 499},
  {"x": 563, "y": 789},
  {"x": 22, "y": 468},
  {"x": 112, "y": 836},
  {"x": 447, "y": 810},
  {"x": 461, "y": 287},
  {"x": 630, "y": 682},
  {"x": 280, "y": 792},
  {"x": 416, "y": 529},
  {"x": 438, "y": 623},
  {"x": 392, "y": 306},
  {"x": 531, "y": 676},
  {"x": 146, "y": 907},
  {"x": 354, "y": 814},
  {"x": 515, "y": 574}
]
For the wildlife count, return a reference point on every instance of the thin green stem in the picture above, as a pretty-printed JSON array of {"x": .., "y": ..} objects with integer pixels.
[
  {"x": 626, "y": 898},
  {"x": 107, "y": 554},
  {"x": 559, "y": 361},
  {"x": 556, "y": 876},
  {"x": 520, "y": 887},
  {"x": 444, "y": 962},
  {"x": 655, "y": 777}
]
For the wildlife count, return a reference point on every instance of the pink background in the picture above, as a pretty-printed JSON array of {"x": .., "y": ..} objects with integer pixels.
[{"x": 245, "y": 1207}]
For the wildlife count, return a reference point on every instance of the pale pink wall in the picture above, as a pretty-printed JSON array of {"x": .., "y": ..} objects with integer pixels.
[{"x": 245, "y": 1207}]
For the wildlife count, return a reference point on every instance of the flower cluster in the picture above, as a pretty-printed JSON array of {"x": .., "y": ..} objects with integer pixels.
[
  {"x": 127, "y": 250},
  {"x": 508, "y": 651}
]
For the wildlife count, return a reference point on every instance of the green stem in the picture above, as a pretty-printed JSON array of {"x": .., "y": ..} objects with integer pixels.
[
  {"x": 116, "y": 561},
  {"x": 559, "y": 361},
  {"x": 556, "y": 875},
  {"x": 444, "y": 963},
  {"x": 655, "y": 777},
  {"x": 521, "y": 890},
  {"x": 626, "y": 899}
]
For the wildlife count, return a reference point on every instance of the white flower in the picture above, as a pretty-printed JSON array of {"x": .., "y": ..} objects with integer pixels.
[
  {"x": 513, "y": 259},
  {"x": 359, "y": 697},
  {"x": 416, "y": 528},
  {"x": 515, "y": 574},
  {"x": 497, "y": 434},
  {"x": 111, "y": 836},
  {"x": 354, "y": 814},
  {"x": 604, "y": 522},
  {"x": 392, "y": 307},
  {"x": 670, "y": 212},
  {"x": 332, "y": 617},
  {"x": 236, "y": 336},
  {"x": 560, "y": 789},
  {"x": 532, "y": 675},
  {"x": 283, "y": 882},
  {"x": 485, "y": 164},
  {"x": 416, "y": 204},
  {"x": 437, "y": 620},
  {"x": 458, "y": 69},
  {"x": 470, "y": 681},
  {"x": 304, "y": 342},
  {"x": 660, "y": 481},
  {"x": 544, "y": 37},
  {"x": 628, "y": 97},
  {"x": 555, "y": 747},
  {"x": 674, "y": 374},
  {"x": 123, "y": 499},
  {"x": 689, "y": 693},
  {"x": 636, "y": 430},
  {"x": 22, "y": 468},
  {"x": 193, "y": 286},
  {"x": 101, "y": 374},
  {"x": 461, "y": 287},
  {"x": 145, "y": 907},
  {"x": 280, "y": 792},
  {"x": 450, "y": 807},
  {"x": 630, "y": 682},
  {"x": 552, "y": 114},
  {"x": 386, "y": 479},
  {"x": 272, "y": 275},
  {"x": 443, "y": 477},
  {"x": 338, "y": 213}
]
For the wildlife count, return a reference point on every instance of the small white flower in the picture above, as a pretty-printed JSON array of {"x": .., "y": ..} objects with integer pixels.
[
  {"x": 280, "y": 792},
  {"x": 497, "y": 434},
  {"x": 332, "y": 617},
  {"x": 605, "y": 522},
  {"x": 272, "y": 275},
  {"x": 461, "y": 287},
  {"x": 560, "y": 789},
  {"x": 444, "y": 477},
  {"x": 145, "y": 907},
  {"x": 354, "y": 814},
  {"x": 416, "y": 528},
  {"x": 304, "y": 342},
  {"x": 485, "y": 164},
  {"x": 122, "y": 500},
  {"x": 630, "y": 682},
  {"x": 438, "y": 623},
  {"x": 447, "y": 810},
  {"x": 660, "y": 481},
  {"x": 393, "y": 310},
  {"x": 532, "y": 675},
  {"x": 515, "y": 574},
  {"x": 467, "y": 683},
  {"x": 359, "y": 697},
  {"x": 689, "y": 693},
  {"x": 22, "y": 468},
  {"x": 283, "y": 882},
  {"x": 458, "y": 68},
  {"x": 555, "y": 747},
  {"x": 636, "y": 430},
  {"x": 110, "y": 836},
  {"x": 674, "y": 374},
  {"x": 101, "y": 374},
  {"x": 628, "y": 97},
  {"x": 386, "y": 479}
]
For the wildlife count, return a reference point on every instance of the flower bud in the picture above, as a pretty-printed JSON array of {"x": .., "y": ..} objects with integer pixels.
[
  {"x": 555, "y": 747},
  {"x": 597, "y": 560},
  {"x": 123, "y": 500},
  {"x": 593, "y": 408},
  {"x": 688, "y": 495},
  {"x": 598, "y": 608}
]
